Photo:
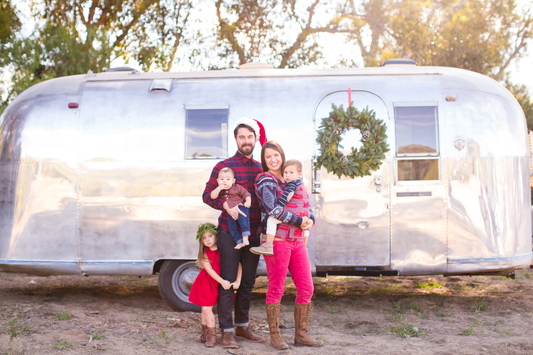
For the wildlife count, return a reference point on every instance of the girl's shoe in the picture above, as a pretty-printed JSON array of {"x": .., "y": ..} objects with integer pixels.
[{"x": 203, "y": 334}]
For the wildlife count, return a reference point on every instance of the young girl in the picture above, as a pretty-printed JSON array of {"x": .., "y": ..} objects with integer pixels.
[{"x": 204, "y": 291}]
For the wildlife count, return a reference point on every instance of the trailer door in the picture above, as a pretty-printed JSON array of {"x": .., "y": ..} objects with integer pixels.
[
  {"x": 418, "y": 198},
  {"x": 352, "y": 214}
]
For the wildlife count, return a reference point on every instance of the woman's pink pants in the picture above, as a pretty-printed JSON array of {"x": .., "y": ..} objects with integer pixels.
[{"x": 292, "y": 256}]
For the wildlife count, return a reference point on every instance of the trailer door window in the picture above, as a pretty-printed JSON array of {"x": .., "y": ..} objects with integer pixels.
[
  {"x": 417, "y": 148},
  {"x": 206, "y": 132}
]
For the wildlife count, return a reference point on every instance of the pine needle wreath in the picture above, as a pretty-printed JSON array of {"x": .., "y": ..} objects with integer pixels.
[{"x": 359, "y": 162}]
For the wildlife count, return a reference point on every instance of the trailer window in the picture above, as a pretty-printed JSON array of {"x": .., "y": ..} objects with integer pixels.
[
  {"x": 417, "y": 147},
  {"x": 206, "y": 132}
]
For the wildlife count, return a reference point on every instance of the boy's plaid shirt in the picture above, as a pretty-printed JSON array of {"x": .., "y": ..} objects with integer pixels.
[{"x": 245, "y": 172}]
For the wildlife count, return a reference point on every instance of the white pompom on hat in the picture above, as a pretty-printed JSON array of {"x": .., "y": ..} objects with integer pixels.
[{"x": 258, "y": 128}]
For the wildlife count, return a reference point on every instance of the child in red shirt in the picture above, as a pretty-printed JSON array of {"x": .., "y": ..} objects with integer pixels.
[{"x": 204, "y": 291}]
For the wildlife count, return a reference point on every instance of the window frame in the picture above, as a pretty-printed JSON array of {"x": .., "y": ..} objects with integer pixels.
[
  {"x": 418, "y": 156},
  {"x": 225, "y": 139}
]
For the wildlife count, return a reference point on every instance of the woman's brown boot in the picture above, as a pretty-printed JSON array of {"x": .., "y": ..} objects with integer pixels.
[
  {"x": 210, "y": 337},
  {"x": 273, "y": 323},
  {"x": 301, "y": 319},
  {"x": 203, "y": 333}
]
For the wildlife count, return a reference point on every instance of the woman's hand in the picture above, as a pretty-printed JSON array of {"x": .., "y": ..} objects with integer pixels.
[
  {"x": 308, "y": 225},
  {"x": 304, "y": 222},
  {"x": 233, "y": 212},
  {"x": 225, "y": 284}
]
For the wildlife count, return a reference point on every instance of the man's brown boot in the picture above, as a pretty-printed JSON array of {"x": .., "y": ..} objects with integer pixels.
[
  {"x": 301, "y": 319},
  {"x": 203, "y": 334},
  {"x": 210, "y": 337},
  {"x": 228, "y": 341},
  {"x": 246, "y": 332},
  {"x": 273, "y": 323},
  {"x": 265, "y": 249}
]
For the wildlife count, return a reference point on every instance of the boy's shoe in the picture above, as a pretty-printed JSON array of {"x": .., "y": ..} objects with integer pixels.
[
  {"x": 210, "y": 337},
  {"x": 265, "y": 249}
]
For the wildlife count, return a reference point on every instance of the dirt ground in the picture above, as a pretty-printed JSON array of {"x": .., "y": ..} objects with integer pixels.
[{"x": 407, "y": 315}]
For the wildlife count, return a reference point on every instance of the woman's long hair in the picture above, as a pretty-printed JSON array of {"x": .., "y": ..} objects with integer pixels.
[{"x": 272, "y": 145}]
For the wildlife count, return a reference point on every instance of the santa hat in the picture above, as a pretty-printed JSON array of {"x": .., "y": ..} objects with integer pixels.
[{"x": 257, "y": 126}]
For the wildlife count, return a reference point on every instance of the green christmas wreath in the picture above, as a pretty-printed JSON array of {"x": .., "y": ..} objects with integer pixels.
[{"x": 359, "y": 162}]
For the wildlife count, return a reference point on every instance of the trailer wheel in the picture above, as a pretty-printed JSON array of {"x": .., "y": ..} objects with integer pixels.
[{"x": 175, "y": 281}]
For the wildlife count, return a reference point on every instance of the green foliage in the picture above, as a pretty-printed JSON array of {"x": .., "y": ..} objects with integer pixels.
[
  {"x": 484, "y": 36},
  {"x": 63, "y": 344},
  {"x": 407, "y": 331},
  {"x": 64, "y": 315},
  {"x": 359, "y": 162},
  {"x": 428, "y": 285},
  {"x": 467, "y": 331},
  {"x": 9, "y": 25}
]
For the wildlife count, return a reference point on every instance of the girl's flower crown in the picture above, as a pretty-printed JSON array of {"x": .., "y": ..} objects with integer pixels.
[{"x": 206, "y": 227}]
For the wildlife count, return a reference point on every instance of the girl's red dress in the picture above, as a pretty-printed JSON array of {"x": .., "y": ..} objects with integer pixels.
[{"x": 204, "y": 291}]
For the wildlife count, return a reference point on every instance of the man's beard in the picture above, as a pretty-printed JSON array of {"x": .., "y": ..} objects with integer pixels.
[{"x": 246, "y": 149}]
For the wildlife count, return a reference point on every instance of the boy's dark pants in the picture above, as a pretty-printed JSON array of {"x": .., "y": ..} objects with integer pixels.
[
  {"x": 243, "y": 222},
  {"x": 229, "y": 265}
]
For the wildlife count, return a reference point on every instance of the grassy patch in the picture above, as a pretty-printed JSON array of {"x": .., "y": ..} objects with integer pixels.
[
  {"x": 428, "y": 285},
  {"x": 333, "y": 310},
  {"x": 97, "y": 337},
  {"x": 163, "y": 335},
  {"x": 505, "y": 333},
  {"x": 445, "y": 313},
  {"x": 63, "y": 345},
  {"x": 402, "y": 308},
  {"x": 160, "y": 315},
  {"x": 480, "y": 307},
  {"x": 407, "y": 331},
  {"x": 467, "y": 331},
  {"x": 63, "y": 315},
  {"x": 397, "y": 316}
]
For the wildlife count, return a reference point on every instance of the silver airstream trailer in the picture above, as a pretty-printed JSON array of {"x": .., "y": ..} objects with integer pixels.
[{"x": 102, "y": 174}]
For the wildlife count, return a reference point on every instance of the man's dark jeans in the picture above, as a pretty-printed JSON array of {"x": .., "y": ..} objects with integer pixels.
[
  {"x": 229, "y": 265},
  {"x": 243, "y": 222}
]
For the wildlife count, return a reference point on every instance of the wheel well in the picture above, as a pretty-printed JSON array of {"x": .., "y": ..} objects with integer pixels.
[
  {"x": 159, "y": 263},
  {"x": 157, "y": 266}
]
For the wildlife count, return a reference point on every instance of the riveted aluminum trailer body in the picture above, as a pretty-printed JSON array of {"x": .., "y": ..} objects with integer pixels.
[{"x": 112, "y": 185}]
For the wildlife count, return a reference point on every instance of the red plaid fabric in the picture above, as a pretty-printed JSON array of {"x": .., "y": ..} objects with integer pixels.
[{"x": 245, "y": 172}]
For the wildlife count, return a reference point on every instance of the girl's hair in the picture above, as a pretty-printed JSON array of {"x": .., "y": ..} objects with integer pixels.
[
  {"x": 272, "y": 145},
  {"x": 202, "y": 229}
]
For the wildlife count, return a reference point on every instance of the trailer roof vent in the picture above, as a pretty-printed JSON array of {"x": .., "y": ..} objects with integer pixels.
[
  {"x": 399, "y": 61},
  {"x": 256, "y": 65},
  {"x": 161, "y": 85},
  {"x": 119, "y": 69}
]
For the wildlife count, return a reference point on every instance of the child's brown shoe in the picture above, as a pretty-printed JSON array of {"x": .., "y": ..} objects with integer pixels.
[{"x": 265, "y": 249}]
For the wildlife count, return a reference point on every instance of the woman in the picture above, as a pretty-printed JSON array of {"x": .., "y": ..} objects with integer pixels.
[{"x": 288, "y": 254}]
